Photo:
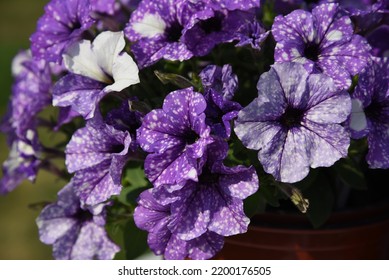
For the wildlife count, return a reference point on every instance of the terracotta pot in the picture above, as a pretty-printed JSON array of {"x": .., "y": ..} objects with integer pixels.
[{"x": 357, "y": 234}]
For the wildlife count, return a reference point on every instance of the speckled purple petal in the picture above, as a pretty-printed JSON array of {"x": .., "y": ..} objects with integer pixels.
[
  {"x": 62, "y": 24},
  {"x": 252, "y": 34},
  {"x": 73, "y": 231},
  {"x": 203, "y": 37},
  {"x": 176, "y": 136},
  {"x": 206, "y": 246},
  {"x": 323, "y": 41},
  {"x": 306, "y": 133},
  {"x": 162, "y": 38},
  {"x": 220, "y": 79},
  {"x": 103, "y": 6},
  {"x": 80, "y": 93},
  {"x": 238, "y": 181},
  {"x": 234, "y": 4},
  {"x": 371, "y": 111},
  {"x": 95, "y": 184},
  {"x": 30, "y": 94},
  {"x": 95, "y": 143},
  {"x": 378, "y": 140},
  {"x": 157, "y": 219},
  {"x": 92, "y": 242},
  {"x": 23, "y": 161}
]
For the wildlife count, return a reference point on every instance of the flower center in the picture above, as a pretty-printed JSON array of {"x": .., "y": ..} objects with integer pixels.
[
  {"x": 292, "y": 117},
  {"x": 375, "y": 111},
  {"x": 76, "y": 25},
  {"x": 191, "y": 137},
  {"x": 213, "y": 24},
  {"x": 208, "y": 178},
  {"x": 83, "y": 216},
  {"x": 117, "y": 148},
  {"x": 312, "y": 51},
  {"x": 174, "y": 32}
]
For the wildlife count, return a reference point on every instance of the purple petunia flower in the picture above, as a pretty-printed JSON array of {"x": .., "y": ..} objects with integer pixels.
[
  {"x": 323, "y": 41},
  {"x": 155, "y": 218},
  {"x": 214, "y": 202},
  {"x": 220, "y": 85},
  {"x": 97, "y": 69},
  {"x": 176, "y": 137},
  {"x": 23, "y": 161},
  {"x": 252, "y": 34},
  {"x": 370, "y": 111},
  {"x": 359, "y": 7},
  {"x": 295, "y": 122},
  {"x": 75, "y": 233},
  {"x": 97, "y": 153},
  {"x": 30, "y": 94},
  {"x": 215, "y": 22},
  {"x": 63, "y": 23},
  {"x": 220, "y": 79},
  {"x": 156, "y": 27}
]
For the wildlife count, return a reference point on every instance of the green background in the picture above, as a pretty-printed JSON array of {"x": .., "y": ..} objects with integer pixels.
[{"x": 18, "y": 232}]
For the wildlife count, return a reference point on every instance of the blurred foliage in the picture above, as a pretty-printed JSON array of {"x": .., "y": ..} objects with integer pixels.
[{"x": 19, "y": 234}]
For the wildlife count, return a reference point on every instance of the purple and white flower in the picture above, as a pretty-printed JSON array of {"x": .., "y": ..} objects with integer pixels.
[
  {"x": 323, "y": 41},
  {"x": 23, "y": 161},
  {"x": 214, "y": 202},
  {"x": 31, "y": 93},
  {"x": 156, "y": 218},
  {"x": 295, "y": 122},
  {"x": 96, "y": 69},
  {"x": 214, "y": 22},
  {"x": 252, "y": 34},
  {"x": 175, "y": 137},
  {"x": 97, "y": 153},
  {"x": 75, "y": 233},
  {"x": 370, "y": 111},
  {"x": 220, "y": 85},
  {"x": 63, "y": 23},
  {"x": 156, "y": 28}
]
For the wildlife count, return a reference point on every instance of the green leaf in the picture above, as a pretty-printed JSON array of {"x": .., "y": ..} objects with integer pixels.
[
  {"x": 134, "y": 182},
  {"x": 321, "y": 201},
  {"x": 254, "y": 204},
  {"x": 175, "y": 79},
  {"x": 135, "y": 241},
  {"x": 350, "y": 174}
]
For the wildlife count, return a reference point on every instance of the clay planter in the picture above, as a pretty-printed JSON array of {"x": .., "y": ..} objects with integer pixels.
[{"x": 357, "y": 234}]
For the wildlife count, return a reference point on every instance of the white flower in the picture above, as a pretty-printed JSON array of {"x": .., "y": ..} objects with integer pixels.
[{"x": 103, "y": 61}]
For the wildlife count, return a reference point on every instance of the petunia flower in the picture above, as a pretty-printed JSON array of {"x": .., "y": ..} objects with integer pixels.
[
  {"x": 295, "y": 122},
  {"x": 31, "y": 93},
  {"x": 96, "y": 69},
  {"x": 220, "y": 85},
  {"x": 156, "y": 28},
  {"x": 97, "y": 154},
  {"x": 370, "y": 111},
  {"x": 23, "y": 161},
  {"x": 156, "y": 218},
  {"x": 63, "y": 24},
  {"x": 323, "y": 41},
  {"x": 215, "y": 22},
  {"x": 252, "y": 34},
  {"x": 175, "y": 137},
  {"x": 75, "y": 233},
  {"x": 214, "y": 202}
]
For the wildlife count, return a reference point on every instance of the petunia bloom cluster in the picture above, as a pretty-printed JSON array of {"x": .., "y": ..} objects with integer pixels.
[{"x": 173, "y": 113}]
